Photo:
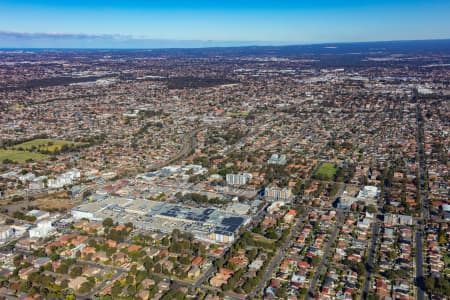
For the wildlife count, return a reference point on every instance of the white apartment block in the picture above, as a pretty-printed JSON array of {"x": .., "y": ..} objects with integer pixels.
[{"x": 238, "y": 179}]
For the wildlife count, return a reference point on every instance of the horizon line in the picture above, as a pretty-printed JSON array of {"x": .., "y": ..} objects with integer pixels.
[
  {"x": 120, "y": 40},
  {"x": 280, "y": 44}
]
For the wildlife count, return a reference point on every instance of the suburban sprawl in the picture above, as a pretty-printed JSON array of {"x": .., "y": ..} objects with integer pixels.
[{"x": 303, "y": 172}]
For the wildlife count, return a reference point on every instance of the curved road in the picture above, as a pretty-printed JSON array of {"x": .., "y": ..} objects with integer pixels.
[{"x": 189, "y": 144}]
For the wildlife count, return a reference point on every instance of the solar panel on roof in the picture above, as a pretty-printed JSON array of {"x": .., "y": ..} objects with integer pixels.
[{"x": 232, "y": 223}]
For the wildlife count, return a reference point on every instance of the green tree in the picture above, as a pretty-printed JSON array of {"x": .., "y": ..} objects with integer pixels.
[
  {"x": 76, "y": 271},
  {"x": 116, "y": 290},
  {"x": 108, "y": 222}
]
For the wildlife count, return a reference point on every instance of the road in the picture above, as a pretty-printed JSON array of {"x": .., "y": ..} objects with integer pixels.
[
  {"x": 256, "y": 220},
  {"x": 373, "y": 245},
  {"x": 419, "y": 264},
  {"x": 281, "y": 252},
  {"x": 419, "y": 280},
  {"x": 205, "y": 276},
  {"x": 278, "y": 256},
  {"x": 118, "y": 272},
  {"x": 326, "y": 253},
  {"x": 105, "y": 283},
  {"x": 189, "y": 144}
]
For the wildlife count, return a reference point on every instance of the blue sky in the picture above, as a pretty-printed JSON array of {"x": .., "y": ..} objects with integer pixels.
[{"x": 262, "y": 21}]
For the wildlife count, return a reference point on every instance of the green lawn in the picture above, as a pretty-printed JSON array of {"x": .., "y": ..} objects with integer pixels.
[
  {"x": 16, "y": 107},
  {"x": 43, "y": 145},
  {"x": 446, "y": 258},
  {"x": 326, "y": 171},
  {"x": 237, "y": 114},
  {"x": 20, "y": 156}
]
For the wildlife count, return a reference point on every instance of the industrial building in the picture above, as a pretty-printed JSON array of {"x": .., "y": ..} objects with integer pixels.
[
  {"x": 208, "y": 224},
  {"x": 42, "y": 230}
]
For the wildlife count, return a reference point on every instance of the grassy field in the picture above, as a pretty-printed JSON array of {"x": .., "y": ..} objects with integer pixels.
[
  {"x": 20, "y": 156},
  {"x": 325, "y": 172},
  {"x": 17, "y": 107},
  {"x": 238, "y": 114},
  {"x": 57, "y": 201},
  {"x": 43, "y": 145}
]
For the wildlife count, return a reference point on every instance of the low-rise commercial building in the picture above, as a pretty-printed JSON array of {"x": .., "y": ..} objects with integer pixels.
[{"x": 208, "y": 224}]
